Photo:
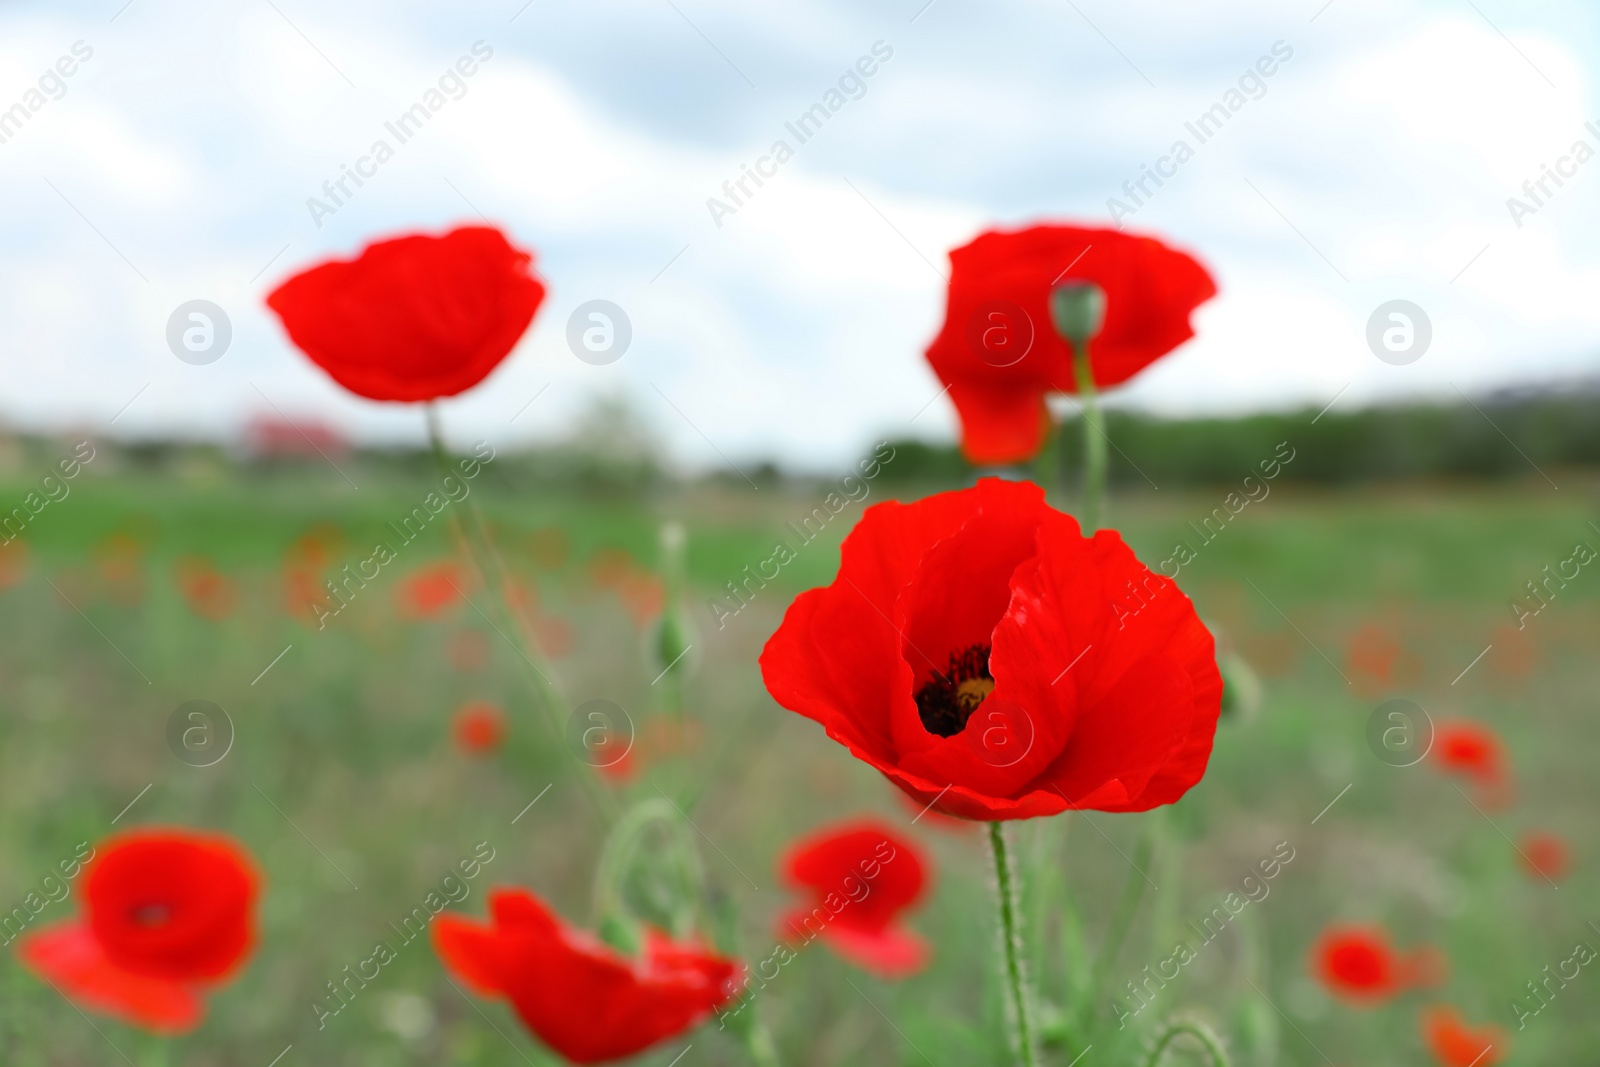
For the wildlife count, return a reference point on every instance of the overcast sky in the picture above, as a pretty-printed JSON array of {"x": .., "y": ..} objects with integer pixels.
[{"x": 176, "y": 162}]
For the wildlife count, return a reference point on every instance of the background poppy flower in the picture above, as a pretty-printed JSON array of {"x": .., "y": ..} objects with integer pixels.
[
  {"x": 479, "y": 727},
  {"x": 1454, "y": 1044},
  {"x": 304, "y": 562},
  {"x": 166, "y": 913},
  {"x": 208, "y": 592},
  {"x": 1358, "y": 964},
  {"x": 859, "y": 878},
  {"x": 120, "y": 560},
  {"x": 993, "y": 662},
  {"x": 1473, "y": 751},
  {"x": 416, "y": 317},
  {"x": 998, "y": 352},
  {"x": 580, "y": 996},
  {"x": 430, "y": 591},
  {"x": 1544, "y": 855},
  {"x": 13, "y": 563}
]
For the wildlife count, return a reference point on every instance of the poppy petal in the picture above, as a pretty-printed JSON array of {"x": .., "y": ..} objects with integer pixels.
[
  {"x": 413, "y": 318},
  {"x": 70, "y": 958},
  {"x": 580, "y": 996},
  {"x": 891, "y": 953}
]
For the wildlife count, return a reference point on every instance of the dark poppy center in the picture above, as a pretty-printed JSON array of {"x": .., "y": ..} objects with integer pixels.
[
  {"x": 947, "y": 700},
  {"x": 149, "y": 915}
]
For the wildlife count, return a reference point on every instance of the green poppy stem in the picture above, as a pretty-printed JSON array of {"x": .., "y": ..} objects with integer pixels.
[
  {"x": 1019, "y": 1011},
  {"x": 1094, "y": 440},
  {"x": 1199, "y": 1031},
  {"x": 486, "y": 561},
  {"x": 758, "y": 1042}
]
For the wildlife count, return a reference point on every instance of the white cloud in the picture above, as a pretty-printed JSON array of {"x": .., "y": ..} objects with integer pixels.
[{"x": 1390, "y": 141}]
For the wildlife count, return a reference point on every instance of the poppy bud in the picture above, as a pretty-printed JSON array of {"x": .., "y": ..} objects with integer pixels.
[
  {"x": 674, "y": 635},
  {"x": 1078, "y": 310},
  {"x": 1241, "y": 687}
]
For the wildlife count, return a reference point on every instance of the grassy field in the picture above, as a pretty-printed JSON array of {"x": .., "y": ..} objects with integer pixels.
[{"x": 343, "y": 781}]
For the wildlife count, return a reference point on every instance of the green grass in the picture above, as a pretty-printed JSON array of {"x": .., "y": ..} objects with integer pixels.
[{"x": 344, "y": 743}]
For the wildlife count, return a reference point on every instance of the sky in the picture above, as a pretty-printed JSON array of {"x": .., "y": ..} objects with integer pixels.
[{"x": 178, "y": 160}]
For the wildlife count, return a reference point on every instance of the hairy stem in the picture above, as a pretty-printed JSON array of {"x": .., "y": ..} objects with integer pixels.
[
  {"x": 1019, "y": 1010},
  {"x": 1094, "y": 441},
  {"x": 1197, "y": 1030},
  {"x": 486, "y": 561}
]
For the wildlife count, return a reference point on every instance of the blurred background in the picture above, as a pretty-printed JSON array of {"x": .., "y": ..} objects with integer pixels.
[
  {"x": 776, "y": 340},
  {"x": 178, "y": 162}
]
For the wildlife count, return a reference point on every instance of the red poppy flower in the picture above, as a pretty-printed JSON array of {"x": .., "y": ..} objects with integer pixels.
[
  {"x": 13, "y": 563},
  {"x": 120, "y": 559},
  {"x": 430, "y": 591},
  {"x": 166, "y": 914},
  {"x": 859, "y": 878},
  {"x": 205, "y": 589},
  {"x": 416, "y": 317},
  {"x": 554, "y": 636},
  {"x": 1473, "y": 751},
  {"x": 1454, "y": 1044},
  {"x": 609, "y": 567},
  {"x": 480, "y": 727},
  {"x": 1544, "y": 855},
  {"x": 580, "y": 996},
  {"x": 1359, "y": 964},
  {"x": 998, "y": 352},
  {"x": 304, "y": 562},
  {"x": 644, "y": 595},
  {"x": 1377, "y": 662},
  {"x": 994, "y": 663},
  {"x": 668, "y": 736},
  {"x": 616, "y": 768}
]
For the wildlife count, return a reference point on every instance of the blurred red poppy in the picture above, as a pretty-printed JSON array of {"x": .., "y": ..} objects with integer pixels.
[
  {"x": 1378, "y": 663},
  {"x": 616, "y": 759},
  {"x": 581, "y": 997},
  {"x": 998, "y": 353},
  {"x": 120, "y": 560},
  {"x": 609, "y": 567},
  {"x": 208, "y": 592},
  {"x": 479, "y": 727},
  {"x": 554, "y": 636},
  {"x": 415, "y": 317},
  {"x": 13, "y": 563},
  {"x": 1454, "y": 1044},
  {"x": 430, "y": 591},
  {"x": 859, "y": 878},
  {"x": 994, "y": 663},
  {"x": 1473, "y": 751},
  {"x": 1358, "y": 964},
  {"x": 304, "y": 562},
  {"x": 643, "y": 596},
  {"x": 669, "y": 736},
  {"x": 167, "y": 913},
  {"x": 1544, "y": 855}
]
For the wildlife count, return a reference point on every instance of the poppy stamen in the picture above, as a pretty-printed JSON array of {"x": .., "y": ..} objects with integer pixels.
[{"x": 948, "y": 699}]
